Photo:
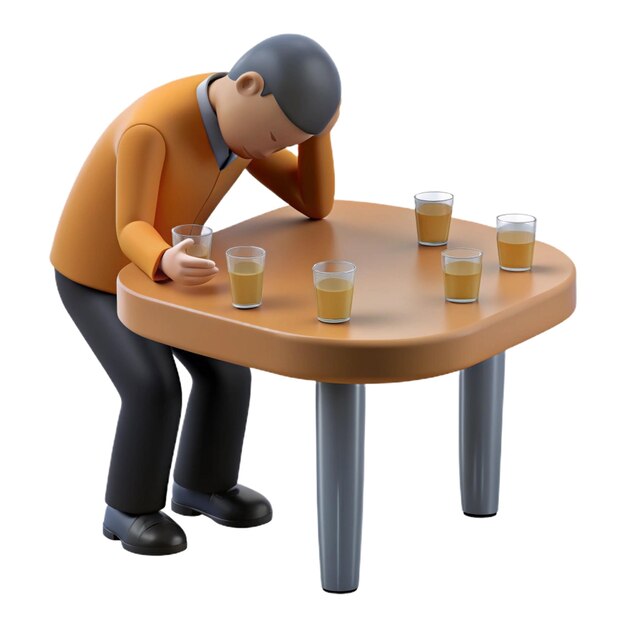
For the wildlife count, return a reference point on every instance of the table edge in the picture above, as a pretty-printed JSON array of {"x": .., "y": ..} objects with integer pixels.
[{"x": 345, "y": 360}]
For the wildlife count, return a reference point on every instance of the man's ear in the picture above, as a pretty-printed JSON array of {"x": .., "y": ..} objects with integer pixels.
[{"x": 250, "y": 84}]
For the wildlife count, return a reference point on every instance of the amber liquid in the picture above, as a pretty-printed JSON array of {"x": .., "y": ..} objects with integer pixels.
[
  {"x": 246, "y": 284},
  {"x": 515, "y": 249},
  {"x": 461, "y": 281},
  {"x": 198, "y": 250},
  {"x": 334, "y": 299},
  {"x": 433, "y": 223}
]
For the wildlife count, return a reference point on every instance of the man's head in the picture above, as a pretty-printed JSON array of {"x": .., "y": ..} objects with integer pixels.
[{"x": 281, "y": 92}]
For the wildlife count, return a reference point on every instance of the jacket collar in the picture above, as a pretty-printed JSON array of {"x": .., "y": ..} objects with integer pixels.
[{"x": 223, "y": 154}]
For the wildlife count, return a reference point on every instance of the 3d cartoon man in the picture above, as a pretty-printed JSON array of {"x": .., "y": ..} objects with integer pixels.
[{"x": 167, "y": 160}]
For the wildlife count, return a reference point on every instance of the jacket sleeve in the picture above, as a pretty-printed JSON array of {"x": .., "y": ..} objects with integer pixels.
[
  {"x": 140, "y": 158},
  {"x": 306, "y": 182}
]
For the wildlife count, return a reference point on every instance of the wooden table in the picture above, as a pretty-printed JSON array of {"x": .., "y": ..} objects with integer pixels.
[{"x": 401, "y": 329}]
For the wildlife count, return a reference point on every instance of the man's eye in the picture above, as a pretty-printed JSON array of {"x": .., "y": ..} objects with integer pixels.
[{"x": 272, "y": 136}]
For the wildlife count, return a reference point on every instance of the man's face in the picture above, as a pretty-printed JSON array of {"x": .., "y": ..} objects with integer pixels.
[{"x": 253, "y": 126}]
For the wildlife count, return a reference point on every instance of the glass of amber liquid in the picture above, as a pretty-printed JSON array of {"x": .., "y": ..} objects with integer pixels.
[
  {"x": 245, "y": 269},
  {"x": 334, "y": 286},
  {"x": 462, "y": 269},
  {"x": 201, "y": 236},
  {"x": 433, "y": 212},
  {"x": 516, "y": 241}
]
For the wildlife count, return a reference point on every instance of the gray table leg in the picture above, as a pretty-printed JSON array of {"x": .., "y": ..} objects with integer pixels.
[
  {"x": 480, "y": 435},
  {"x": 340, "y": 443}
]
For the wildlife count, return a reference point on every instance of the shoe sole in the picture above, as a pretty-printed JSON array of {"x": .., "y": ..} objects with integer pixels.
[
  {"x": 182, "y": 509},
  {"x": 143, "y": 550}
]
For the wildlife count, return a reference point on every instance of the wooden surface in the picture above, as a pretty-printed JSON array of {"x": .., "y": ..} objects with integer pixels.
[{"x": 401, "y": 327}]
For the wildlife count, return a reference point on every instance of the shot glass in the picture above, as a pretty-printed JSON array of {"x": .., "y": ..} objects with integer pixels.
[
  {"x": 433, "y": 212},
  {"x": 462, "y": 269},
  {"x": 334, "y": 286},
  {"x": 516, "y": 241},
  {"x": 201, "y": 235},
  {"x": 245, "y": 269}
]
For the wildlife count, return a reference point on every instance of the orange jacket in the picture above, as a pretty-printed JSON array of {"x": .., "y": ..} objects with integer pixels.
[{"x": 153, "y": 169}]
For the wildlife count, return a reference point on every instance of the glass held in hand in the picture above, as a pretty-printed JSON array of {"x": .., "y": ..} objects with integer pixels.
[{"x": 201, "y": 235}]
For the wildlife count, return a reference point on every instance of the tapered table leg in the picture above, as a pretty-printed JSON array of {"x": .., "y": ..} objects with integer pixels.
[
  {"x": 480, "y": 435},
  {"x": 340, "y": 443}
]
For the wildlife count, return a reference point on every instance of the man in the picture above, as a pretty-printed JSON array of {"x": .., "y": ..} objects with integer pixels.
[{"x": 168, "y": 160}]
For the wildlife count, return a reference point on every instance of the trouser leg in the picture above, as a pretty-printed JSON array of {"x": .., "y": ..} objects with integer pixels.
[
  {"x": 145, "y": 376},
  {"x": 340, "y": 448},
  {"x": 480, "y": 435},
  {"x": 212, "y": 436}
]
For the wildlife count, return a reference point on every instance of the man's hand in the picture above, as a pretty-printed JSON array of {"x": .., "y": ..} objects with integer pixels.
[
  {"x": 185, "y": 269},
  {"x": 331, "y": 123}
]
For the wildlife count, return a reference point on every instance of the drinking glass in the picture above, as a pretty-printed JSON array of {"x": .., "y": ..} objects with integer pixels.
[
  {"x": 201, "y": 236},
  {"x": 516, "y": 241},
  {"x": 462, "y": 269},
  {"x": 433, "y": 212},
  {"x": 334, "y": 287},
  {"x": 245, "y": 269}
]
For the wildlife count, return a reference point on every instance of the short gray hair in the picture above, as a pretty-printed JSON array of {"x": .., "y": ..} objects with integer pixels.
[{"x": 301, "y": 76}]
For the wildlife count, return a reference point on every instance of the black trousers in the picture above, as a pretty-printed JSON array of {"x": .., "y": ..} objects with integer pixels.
[{"x": 144, "y": 374}]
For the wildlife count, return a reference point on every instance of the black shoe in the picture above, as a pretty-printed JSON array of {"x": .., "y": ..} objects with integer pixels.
[
  {"x": 152, "y": 533},
  {"x": 238, "y": 507}
]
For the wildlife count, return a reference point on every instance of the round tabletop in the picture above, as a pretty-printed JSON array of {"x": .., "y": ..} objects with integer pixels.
[{"x": 401, "y": 328}]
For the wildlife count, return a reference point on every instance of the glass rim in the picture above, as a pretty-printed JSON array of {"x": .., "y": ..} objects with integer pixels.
[
  {"x": 202, "y": 226},
  {"x": 442, "y": 193},
  {"x": 350, "y": 269},
  {"x": 529, "y": 219},
  {"x": 259, "y": 254},
  {"x": 453, "y": 253}
]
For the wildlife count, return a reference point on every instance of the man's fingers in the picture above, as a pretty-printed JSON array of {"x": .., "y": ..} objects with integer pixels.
[
  {"x": 191, "y": 281},
  {"x": 331, "y": 123},
  {"x": 198, "y": 271},
  {"x": 181, "y": 245},
  {"x": 193, "y": 261}
]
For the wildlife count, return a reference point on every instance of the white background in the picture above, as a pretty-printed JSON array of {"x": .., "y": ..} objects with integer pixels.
[{"x": 512, "y": 106}]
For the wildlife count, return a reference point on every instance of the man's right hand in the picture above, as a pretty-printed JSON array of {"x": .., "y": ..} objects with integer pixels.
[{"x": 185, "y": 269}]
